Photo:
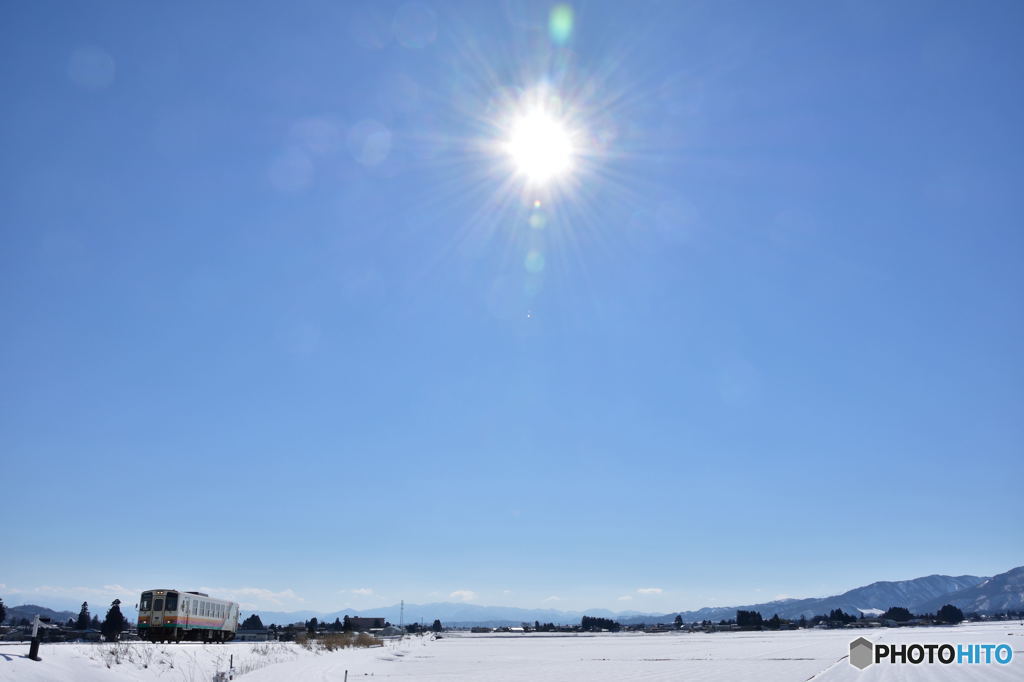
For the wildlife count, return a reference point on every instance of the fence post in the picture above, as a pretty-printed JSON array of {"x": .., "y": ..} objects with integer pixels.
[{"x": 33, "y": 647}]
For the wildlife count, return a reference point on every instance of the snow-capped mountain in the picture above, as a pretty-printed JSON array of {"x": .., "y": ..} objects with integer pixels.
[
  {"x": 1003, "y": 592},
  {"x": 920, "y": 595}
]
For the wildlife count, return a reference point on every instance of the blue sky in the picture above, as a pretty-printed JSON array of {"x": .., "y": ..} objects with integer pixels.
[{"x": 280, "y": 319}]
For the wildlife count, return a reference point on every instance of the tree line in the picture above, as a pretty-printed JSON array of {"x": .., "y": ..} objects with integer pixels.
[
  {"x": 594, "y": 623},
  {"x": 313, "y": 625},
  {"x": 754, "y": 620}
]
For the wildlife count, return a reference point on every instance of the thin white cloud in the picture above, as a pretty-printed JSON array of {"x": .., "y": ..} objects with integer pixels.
[
  {"x": 553, "y": 598},
  {"x": 625, "y": 597},
  {"x": 364, "y": 591},
  {"x": 256, "y": 597},
  {"x": 463, "y": 595},
  {"x": 649, "y": 590},
  {"x": 78, "y": 591}
]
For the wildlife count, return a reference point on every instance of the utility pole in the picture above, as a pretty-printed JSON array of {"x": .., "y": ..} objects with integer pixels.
[{"x": 401, "y": 615}]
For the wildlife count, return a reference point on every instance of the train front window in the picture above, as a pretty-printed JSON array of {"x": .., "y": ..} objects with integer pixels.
[
  {"x": 158, "y": 604},
  {"x": 146, "y": 602},
  {"x": 172, "y": 601}
]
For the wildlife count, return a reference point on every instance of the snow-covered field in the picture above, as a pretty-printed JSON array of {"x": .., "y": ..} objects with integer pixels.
[{"x": 764, "y": 656}]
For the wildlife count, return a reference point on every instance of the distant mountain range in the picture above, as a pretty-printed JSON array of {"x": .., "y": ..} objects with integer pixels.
[
  {"x": 870, "y": 600},
  {"x": 1003, "y": 592},
  {"x": 29, "y": 611},
  {"x": 921, "y": 595}
]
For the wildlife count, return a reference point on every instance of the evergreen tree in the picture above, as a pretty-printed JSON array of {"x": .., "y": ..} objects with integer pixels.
[
  {"x": 115, "y": 623},
  {"x": 95, "y": 623},
  {"x": 70, "y": 624},
  {"x": 253, "y": 622},
  {"x": 336, "y": 625},
  {"x": 950, "y": 614},
  {"x": 3, "y": 612},
  {"x": 840, "y": 616},
  {"x": 436, "y": 627},
  {"x": 594, "y": 623},
  {"x": 749, "y": 619},
  {"x": 346, "y": 625},
  {"x": 678, "y": 621},
  {"x": 312, "y": 625},
  {"x": 898, "y": 613},
  {"x": 83, "y": 617}
]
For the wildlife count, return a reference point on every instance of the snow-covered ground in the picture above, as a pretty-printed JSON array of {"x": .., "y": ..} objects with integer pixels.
[{"x": 798, "y": 655}]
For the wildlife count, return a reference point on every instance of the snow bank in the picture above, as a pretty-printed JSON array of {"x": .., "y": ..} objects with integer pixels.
[
  {"x": 187, "y": 662},
  {"x": 766, "y": 656}
]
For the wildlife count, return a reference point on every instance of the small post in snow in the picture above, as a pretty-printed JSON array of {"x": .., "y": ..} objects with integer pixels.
[{"x": 33, "y": 647}]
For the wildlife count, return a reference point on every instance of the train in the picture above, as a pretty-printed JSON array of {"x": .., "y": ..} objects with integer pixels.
[{"x": 177, "y": 615}]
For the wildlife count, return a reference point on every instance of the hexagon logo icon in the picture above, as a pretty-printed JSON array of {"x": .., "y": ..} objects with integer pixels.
[{"x": 862, "y": 653}]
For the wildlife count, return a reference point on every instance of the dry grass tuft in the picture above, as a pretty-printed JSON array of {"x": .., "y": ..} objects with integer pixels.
[{"x": 338, "y": 640}]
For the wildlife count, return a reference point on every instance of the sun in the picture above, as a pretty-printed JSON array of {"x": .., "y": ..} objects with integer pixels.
[{"x": 540, "y": 146}]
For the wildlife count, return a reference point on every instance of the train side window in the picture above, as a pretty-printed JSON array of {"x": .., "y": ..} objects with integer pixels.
[
  {"x": 146, "y": 602},
  {"x": 158, "y": 604},
  {"x": 172, "y": 601},
  {"x": 195, "y": 607}
]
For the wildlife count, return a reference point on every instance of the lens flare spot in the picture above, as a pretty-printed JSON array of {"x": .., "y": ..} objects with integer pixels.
[
  {"x": 560, "y": 24},
  {"x": 534, "y": 261}
]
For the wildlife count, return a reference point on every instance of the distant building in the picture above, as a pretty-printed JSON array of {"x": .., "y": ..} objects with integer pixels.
[
  {"x": 362, "y": 624},
  {"x": 256, "y": 635}
]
